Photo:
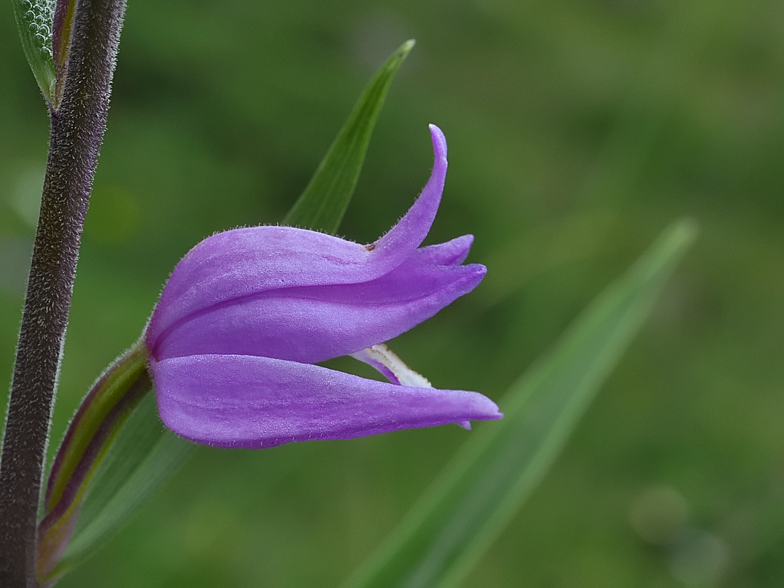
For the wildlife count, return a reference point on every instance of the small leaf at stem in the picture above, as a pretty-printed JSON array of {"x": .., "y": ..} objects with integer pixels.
[
  {"x": 323, "y": 203},
  {"x": 34, "y": 20}
]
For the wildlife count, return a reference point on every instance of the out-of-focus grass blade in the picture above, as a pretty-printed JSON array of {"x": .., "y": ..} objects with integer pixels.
[
  {"x": 460, "y": 516},
  {"x": 144, "y": 455},
  {"x": 34, "y": 21},
  {"x": 324, "y": 201}
]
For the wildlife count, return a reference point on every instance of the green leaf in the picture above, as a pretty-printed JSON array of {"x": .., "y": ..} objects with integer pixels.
[
  {"x": 143, "y": 456},
  {"x": 101, "y": 415},
  {"x": 324, "y": 201},
  {"x": 465, "y": 510},
  {"x": 34, "y": 21}
]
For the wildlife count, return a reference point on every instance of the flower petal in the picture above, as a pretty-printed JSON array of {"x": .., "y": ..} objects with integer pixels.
[
  {"x": 243, "y": 262},
  {"x": 321, "y": 322},
  {"x": 253, "y": 402},
  {"x": 414, "y": 226},
  {"x": 452, "y": 252}
]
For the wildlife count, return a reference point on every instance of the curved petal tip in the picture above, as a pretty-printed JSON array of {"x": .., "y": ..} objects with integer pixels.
[
  {"x": 439, "y": 142},
  {"x": 411, "y": 230}
]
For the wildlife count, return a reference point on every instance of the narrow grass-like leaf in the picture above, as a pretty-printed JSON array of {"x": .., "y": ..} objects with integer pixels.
[
  {"x": 459, "y": 517},
  {"x": 34, "y": 21},
  {"x": 323, "y": 203},
  {"x": 144, "y": 455}
]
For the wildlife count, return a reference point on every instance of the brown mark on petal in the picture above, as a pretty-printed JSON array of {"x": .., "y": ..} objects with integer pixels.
[{"x": 371, "y": 246}]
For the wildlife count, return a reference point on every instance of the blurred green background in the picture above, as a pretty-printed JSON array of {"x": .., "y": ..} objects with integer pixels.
[{"x": 577, "y": 131}]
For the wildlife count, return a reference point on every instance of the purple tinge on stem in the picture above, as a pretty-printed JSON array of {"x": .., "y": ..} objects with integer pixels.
[{"x": 247, "y": 313}]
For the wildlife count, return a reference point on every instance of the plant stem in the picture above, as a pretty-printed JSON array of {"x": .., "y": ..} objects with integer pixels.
[{"x": 77, "y": 129}]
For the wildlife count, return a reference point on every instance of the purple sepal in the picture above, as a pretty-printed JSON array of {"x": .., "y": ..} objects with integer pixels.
[{"x": 253, "y": 402}]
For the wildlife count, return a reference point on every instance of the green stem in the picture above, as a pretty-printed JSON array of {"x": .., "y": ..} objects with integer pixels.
[{"x": 77, "y": 129}]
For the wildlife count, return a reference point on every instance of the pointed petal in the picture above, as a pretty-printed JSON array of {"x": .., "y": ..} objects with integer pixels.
[
  {"x": 412, "y": 229},
  {"x": 253, "y": 402},
  {"x": 314, "y": 324},
  {"x": 452, "y": 252},
  {"x": 245, "y": 262}
]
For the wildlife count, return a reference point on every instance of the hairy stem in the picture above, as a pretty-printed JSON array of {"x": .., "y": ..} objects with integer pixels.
[{"x": 77, "y": 128}]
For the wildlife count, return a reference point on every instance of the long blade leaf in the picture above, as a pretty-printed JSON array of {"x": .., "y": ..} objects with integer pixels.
[
  {"x": 459, "y": 517},
  {"x": 324, "y": 201}
]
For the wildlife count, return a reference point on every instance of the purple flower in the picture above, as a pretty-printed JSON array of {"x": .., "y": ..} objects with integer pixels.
[{"x": 247, "y": 313}]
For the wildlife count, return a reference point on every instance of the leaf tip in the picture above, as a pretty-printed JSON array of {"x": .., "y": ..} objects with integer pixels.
[
  {"x": 686, "y": 230},
  {"x": 400, "y": 54},
  {"x": 679, "y": 236},
  {"x": 406, "y": 47}
]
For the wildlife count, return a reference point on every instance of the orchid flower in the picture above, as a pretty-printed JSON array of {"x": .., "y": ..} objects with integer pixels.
[
  {"x": 247, "y": 314},
  {"x": 232, "y": 347}
]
